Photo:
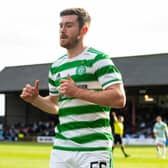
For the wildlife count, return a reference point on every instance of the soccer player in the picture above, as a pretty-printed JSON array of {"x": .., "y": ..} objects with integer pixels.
[
  {"x": 83, "y": 85},
  {"x": 160, "y": 132},
  {"x": 118, "y": 132}
]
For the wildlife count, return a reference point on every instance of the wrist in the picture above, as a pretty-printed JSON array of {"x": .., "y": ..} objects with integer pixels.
[
  {"x": 77, "y": 92},
  {"x": 34, "y": 100}
]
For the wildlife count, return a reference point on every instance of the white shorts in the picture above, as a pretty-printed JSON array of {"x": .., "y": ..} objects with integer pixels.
[
  {"x": 160, "y": 141},
  {"x": 75, "y": 159}
]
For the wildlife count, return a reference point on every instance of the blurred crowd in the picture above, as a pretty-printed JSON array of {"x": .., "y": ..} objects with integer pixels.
[{"x": 22, "y": 131}]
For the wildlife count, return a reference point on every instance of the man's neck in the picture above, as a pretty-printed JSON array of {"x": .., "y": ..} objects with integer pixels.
[{"x": 75, "y": 51}]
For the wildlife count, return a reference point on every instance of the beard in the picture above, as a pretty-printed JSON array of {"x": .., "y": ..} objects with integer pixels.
[{"x": 69, "y": 42}]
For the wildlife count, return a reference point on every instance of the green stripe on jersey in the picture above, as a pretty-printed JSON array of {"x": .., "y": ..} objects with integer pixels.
[
  {"x": 50, "y": 81},
  {"x": 77, "y": 63},
  {"x": 82, "y": 149},
  {"x": 106, "y": 69},
  {"x": 79, "y": 78},
  {"x": 74, "y": 125},
  {"x": 82, "y": 110}
]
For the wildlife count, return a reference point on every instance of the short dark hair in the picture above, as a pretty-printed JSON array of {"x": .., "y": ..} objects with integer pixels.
[{"x": 83, "y": 15}]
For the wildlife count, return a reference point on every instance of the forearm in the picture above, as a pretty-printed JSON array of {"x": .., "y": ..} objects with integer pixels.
[
  {"x": 112, "y": 97},
  {"x": 114, "y": 117},
  {"x": 45, "y": 104}
]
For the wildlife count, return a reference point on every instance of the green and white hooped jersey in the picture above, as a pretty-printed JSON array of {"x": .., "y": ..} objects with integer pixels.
[{"x": 84, "y": 126}]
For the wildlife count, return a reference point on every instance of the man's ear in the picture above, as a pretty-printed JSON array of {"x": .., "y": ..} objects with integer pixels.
[{"x": 84, "y": 30}]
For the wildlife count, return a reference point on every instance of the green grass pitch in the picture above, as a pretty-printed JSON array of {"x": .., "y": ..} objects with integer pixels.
[{"x": 33, "y": 155}]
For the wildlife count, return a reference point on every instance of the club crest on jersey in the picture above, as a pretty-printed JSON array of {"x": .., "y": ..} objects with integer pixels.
[{"x": 80, "y": 70}]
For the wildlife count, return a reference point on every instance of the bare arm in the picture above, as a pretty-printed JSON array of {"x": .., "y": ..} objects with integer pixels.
[
  {"x": 114, "y": 116},
  {"x": 113, "y": 96},
  {"x": 47, "y": 104},
  {"x": 30, "y": 94}
]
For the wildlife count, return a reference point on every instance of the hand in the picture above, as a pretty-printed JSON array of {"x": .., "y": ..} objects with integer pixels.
[
  {"x": 29, "y": 92},
  {"x": 68, "y": 87}
]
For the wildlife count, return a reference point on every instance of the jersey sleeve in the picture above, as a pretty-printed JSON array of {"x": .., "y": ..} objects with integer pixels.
[
  {"x": 52, "y": 83},
  {"x": 106, "y": 71}
]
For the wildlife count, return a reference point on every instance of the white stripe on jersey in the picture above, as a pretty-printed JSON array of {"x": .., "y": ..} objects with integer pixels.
[
  {"x": 74, "y": 103},
  {"x": 102, "y": 63},
  {"x": 84, "y": 117},
  {"x": 86, "y": 131},
  {"x": 65, "y": 143}
]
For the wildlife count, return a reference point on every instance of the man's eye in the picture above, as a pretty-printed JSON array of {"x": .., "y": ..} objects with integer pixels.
[
  {"x": 69, "y": 25},
  {"x": 66, "y": 25}
]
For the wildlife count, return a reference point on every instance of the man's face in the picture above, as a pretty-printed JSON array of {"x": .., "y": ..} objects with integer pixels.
[
  {"x": 69, "y": 31},
  {"x": 158, "y": 119},
  {"x": 121, "y": 118}
]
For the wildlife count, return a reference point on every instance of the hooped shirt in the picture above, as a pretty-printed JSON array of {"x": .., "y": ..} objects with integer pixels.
[{"x": 84, "y": 126}]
